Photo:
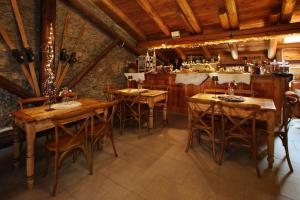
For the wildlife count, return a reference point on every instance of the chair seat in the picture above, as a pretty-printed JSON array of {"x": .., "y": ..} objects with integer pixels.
[{"x": 66, "y": 142}]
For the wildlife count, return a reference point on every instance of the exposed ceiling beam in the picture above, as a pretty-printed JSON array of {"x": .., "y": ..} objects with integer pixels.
[
  {"x": 188, "y": 13},
  {"x": 223, "y": 37},
  {"x": 206, "y": 53},
  {"x": 13, "y": 88},
  {"x": 234, "y": 51},
  {"x": 287, "y": 9},
  {"x": 223, "y": 16},
  {"x": 181, "y": 54},
  {"x": 272, "y": 48},
  {"x": 145, "y": 4},
  {"x": 94, "y": 19},
  {"x": 232, "y": 14},
  {"x": 272, "y": 44},
  {"x": 121, "y": 16},
  {"x": 224, "y": 20},
  {"x": 274, "y": 18}
]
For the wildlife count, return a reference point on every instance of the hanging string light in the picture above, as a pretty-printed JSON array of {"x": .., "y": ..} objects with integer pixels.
[
  {"x": 217, "y": 42},
  {"x": 49, "y": 86}
]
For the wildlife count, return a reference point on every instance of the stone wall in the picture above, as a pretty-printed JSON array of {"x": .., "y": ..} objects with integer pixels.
[{"x": 108, "y": 71}]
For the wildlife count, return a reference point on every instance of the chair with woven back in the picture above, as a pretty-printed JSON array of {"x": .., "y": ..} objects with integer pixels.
[
  {"x": 282, "y": 131},
  {"x": 134, "y": 109},
  {"x": 102, "y": 126},
  {"x": 68, "y": 139},
  {"x": 239, "y": 128},
  {"x": 201, "y": 117}
]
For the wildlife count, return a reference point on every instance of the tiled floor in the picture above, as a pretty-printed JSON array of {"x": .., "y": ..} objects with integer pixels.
[{"x": 156, "y": 167}]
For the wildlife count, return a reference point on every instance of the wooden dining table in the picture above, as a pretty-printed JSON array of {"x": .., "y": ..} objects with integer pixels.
[
  {"x": 149, "y": 97},
  {"x": 36, "y": 119},
  {"x": 266, "y": 113}
]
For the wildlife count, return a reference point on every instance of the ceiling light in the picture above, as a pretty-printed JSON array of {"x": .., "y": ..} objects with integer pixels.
[{"x": 292, "y": 39}]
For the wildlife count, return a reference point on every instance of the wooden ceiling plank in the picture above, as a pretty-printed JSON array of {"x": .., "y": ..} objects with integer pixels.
[
  {"x": 287, "y": 9},
  {"x": 121, "y": 15},
  {"x": 232, "y": 14},
  {"x": 189, "y": 14},
  {"x": 234, "y": 51},
  {"x": 145, "y": 4},
  {"x": 189, "y": 28},
  {"x": 227, "y": 35},
  {"x": 94, "y": 19},
  {"x": 181, "y": 54}
]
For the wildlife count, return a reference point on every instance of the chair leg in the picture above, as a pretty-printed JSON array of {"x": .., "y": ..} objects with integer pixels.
[
  {"x": 56, "y": 167},
  {"x": 48, "y": 156},
  {"x": 286, "y": 147},
  {"x": 254, "y": 156},
  {"x": 111, "y": 136},
  {"x": 190, "y": 140}
]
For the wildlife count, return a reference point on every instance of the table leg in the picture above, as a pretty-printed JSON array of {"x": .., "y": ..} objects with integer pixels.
[
  {"x": 271, "y": 139},
  {"x": 165, "y": 114},
  {"x": 30, "y": 138},
  {"x": 151, "y": 106}
]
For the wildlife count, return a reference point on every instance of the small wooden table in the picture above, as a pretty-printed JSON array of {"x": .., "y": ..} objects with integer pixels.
[
  {"x": 150, "y": 97},
  {"x": 267, "y": 113},
  {"x": 36, "y": 119}
]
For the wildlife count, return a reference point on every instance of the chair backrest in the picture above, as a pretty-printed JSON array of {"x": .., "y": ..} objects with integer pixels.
[
  {"x": 23, "y": 103},
  {"x": 109, "y": 92},
  {"x": 290, "y": 101},
  {"x": 238, "y": 114},
  {"x": 106, "y": 119},
  {"x": 200, "y": 108},
  {"x": 131, "y": 98},
  {"x": 62, "y": 121},
  {"x": 295, "y": 85}
]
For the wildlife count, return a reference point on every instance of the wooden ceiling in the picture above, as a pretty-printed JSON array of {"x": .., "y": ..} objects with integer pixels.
[{"x": 152, "y": 20}]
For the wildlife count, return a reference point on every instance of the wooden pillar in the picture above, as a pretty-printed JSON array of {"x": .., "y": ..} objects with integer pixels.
[{"x": 48, "y": 20}]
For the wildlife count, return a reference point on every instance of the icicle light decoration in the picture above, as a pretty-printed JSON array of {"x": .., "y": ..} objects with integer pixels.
[{"x": 49, "y": 86}]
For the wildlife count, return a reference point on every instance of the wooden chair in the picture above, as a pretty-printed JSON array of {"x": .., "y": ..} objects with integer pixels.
[
  {"x": 67, "y": 139},
  {"x": 283, "y": 129},
  {"x": 201, "y": 116},
  {"x": 102, "y": 126},
  {"x": 160, "y": 105},
  {"x": 236, "y": 130},
  {"x": 133, "y": 109}
]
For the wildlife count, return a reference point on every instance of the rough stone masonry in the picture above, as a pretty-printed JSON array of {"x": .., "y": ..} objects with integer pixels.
[{"x": 108, "y": 71}]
